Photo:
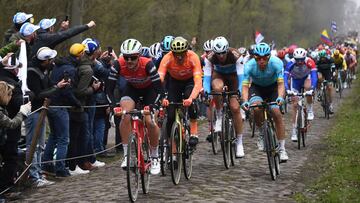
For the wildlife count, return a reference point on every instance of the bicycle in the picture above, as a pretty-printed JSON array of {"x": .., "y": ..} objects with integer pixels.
[
  {"x": 138, "y": 154},
  {"x": 271, "y": 143},
  {"x": 163, "y": 142},
  {"x": 227, "y": 135},
  {"x": 324, "y": 99},
  {"x": 215, "y": 137},
  {"x": 181, "y": 153},
  {"x": 338, "y": 82},
  {"x": 349, "y": 78},
  {"x": 302, "y": 122}
]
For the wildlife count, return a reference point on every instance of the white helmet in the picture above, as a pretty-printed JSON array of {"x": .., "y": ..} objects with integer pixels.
[
  {"x": 314, "y": 54},
  {"x": 299, "y": 53},
  {"x": 155, "y": 49},
  {"x": 220, "y": 45},
  {"x": 208, "y": 45},
  {"x": 131, "y": 46}
]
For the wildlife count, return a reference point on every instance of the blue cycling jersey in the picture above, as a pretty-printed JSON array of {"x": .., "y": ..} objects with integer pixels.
[{"x": 274, "y": 72}]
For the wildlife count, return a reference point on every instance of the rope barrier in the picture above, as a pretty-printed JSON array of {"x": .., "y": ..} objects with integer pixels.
[{"x": 54, "y": 161}]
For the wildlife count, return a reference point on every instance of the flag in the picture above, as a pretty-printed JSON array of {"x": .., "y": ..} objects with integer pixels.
[
  {"x": 333, "y": 27},
  {"x": 258, "y": 37},
  {"x": 325, "y": 38}
]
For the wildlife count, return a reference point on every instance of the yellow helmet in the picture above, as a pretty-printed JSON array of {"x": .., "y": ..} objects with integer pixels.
[
  {"x": 336, "y": 52},
  {"x": 179, "y": 44}
]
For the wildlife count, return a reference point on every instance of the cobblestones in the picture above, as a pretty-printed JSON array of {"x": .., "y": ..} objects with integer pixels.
[{"x": 248, "y": 181}]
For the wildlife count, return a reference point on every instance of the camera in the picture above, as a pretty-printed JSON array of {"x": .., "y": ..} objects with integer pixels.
[{"x": 110, "y": 50}]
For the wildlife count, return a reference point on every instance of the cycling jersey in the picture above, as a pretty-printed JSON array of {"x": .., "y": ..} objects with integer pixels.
[
  {"x": 190, "y": 68},
  {"x": 234, "y": 64},
  {"x": 350, "y": 60},
  {"x": 143, "y": 77},
  {"x": 273, "y": 72},
  {"x": 301, "y": 72},
  {"x": 340, "y": 63}
]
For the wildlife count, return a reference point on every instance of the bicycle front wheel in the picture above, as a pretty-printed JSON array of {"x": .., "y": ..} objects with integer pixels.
[
  {"x": 187, "y": 156},
  {"x": 145, "y": 172},
  {"x": 299, "y": 118},
  {"x": 270, "y": 149},
  {"x": 164, "y": 149},
  {"x": 232, "y": 141},
  {"x": 176, "y": 153},
  {"x": 132, "y": 169},
  {"x": 215, "y": 139},
  {"x": 225, "y": 141}
]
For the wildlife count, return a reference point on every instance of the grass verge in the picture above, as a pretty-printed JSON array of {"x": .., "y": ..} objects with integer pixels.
[{"x": 339, "y": 170}]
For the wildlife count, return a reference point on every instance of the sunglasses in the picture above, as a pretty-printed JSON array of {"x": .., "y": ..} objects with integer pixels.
[
  {"x": 221, "y": 53},
  {"x": 132, "y": 58},
  {"x": 300, "y": 60},
  {"x": 264, "y": 58}
]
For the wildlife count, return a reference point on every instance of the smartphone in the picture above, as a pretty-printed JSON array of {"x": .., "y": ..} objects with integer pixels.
[
  {"x": 25, "y": 99},
  {"x": 110, "y": 50},
  {"x": 66, "y": 76},
  {"x": 13, "y": 60},
  {"x": 66, "y": 18}
]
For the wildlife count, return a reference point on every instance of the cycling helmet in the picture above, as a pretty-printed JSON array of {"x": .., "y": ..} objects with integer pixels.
[
  {"x": 336, "y": 52},
  {"x": 281, "y": 54},
  {"x": 314, "y": 54},
  {"x": 242, "y": 50},
  {"x": 155, "y": 50},
  {"x": 262, "y": 49},
  {"x": 166, "y": 43},
  {"x": 291, "y": 51},
  {"x": 208, "y": 45},
  {"x": 130, "y": 46},
  {"x": 220, "y": 45},
  {"x": 179, "y": 44},
  {"x": 322, "y": 53},
  {"x": 299, "y": 53},
  {"x": 145, "y": 52}
]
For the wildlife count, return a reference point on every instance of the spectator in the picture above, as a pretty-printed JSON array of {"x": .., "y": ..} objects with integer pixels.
[
  {"x": 18, "y": 20},
  {"x": 39, "y": 83},
  {"x": 47, "y": 37},
  {"x": 79, "y": 131},
  {"x": 5, "y": 121},
  {"x": 9, "y": 151}
]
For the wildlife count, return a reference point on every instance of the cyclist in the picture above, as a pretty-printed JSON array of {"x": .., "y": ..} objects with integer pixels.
[
  {"x": 145, "y": 52},
  {"x": 325, "y": 64},
  {"x": 303, "y": 75},
  {"x": 165, "y": 48},
  {"x": 266, "y": 74},
  {"x": 184, "y": 70},
  {"x": 224, "y": 68},
  {"x": 350, "y": 60},
  {"x": 290, "y": 54},
  {"x": 281, "y": 55},
  {"x": 142, "y": 81},
  {"x": 340, "y": 65}
]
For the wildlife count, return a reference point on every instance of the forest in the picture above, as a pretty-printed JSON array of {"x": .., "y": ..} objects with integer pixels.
[{"x": 283, "y": 21}]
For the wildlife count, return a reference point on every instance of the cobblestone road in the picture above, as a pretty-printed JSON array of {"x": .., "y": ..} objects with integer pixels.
[{"x": 248, "y": 181}]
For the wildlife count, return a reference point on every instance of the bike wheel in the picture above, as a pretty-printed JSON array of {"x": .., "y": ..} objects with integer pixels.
[
  {"x": 225, "y": 144},
  {"x": 176, "y": 154},
  {"x": 232, "y": 141},
  {"x": 164, "y": 149},
  {"x": 298, "y": 125},
  {"x": 145, "y": 176},
  {"x": 340, "y": 86},
  {"x": 306, "y": 124},
  {"x": 253, "y": 125},
  {"x": 132, "y": 169},
  {"x": 187, "y": 156},
  {"x": 215, "y": 139},
  {"x": 326, "y": 105},
  {"x": 269, "y": 151}
]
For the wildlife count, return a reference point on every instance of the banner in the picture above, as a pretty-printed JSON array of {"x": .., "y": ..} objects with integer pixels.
[{"x": 22, "y": 75}]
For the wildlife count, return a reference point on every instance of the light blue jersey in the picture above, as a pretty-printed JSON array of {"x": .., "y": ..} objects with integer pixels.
[{"x": 274, "y": 72}]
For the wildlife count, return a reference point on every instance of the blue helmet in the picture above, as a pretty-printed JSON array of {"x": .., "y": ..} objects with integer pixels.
[
  {"x": 262, "y": 49},
  {"x": 166, "y": 42},
  {"x": 145, "y": 52}
]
